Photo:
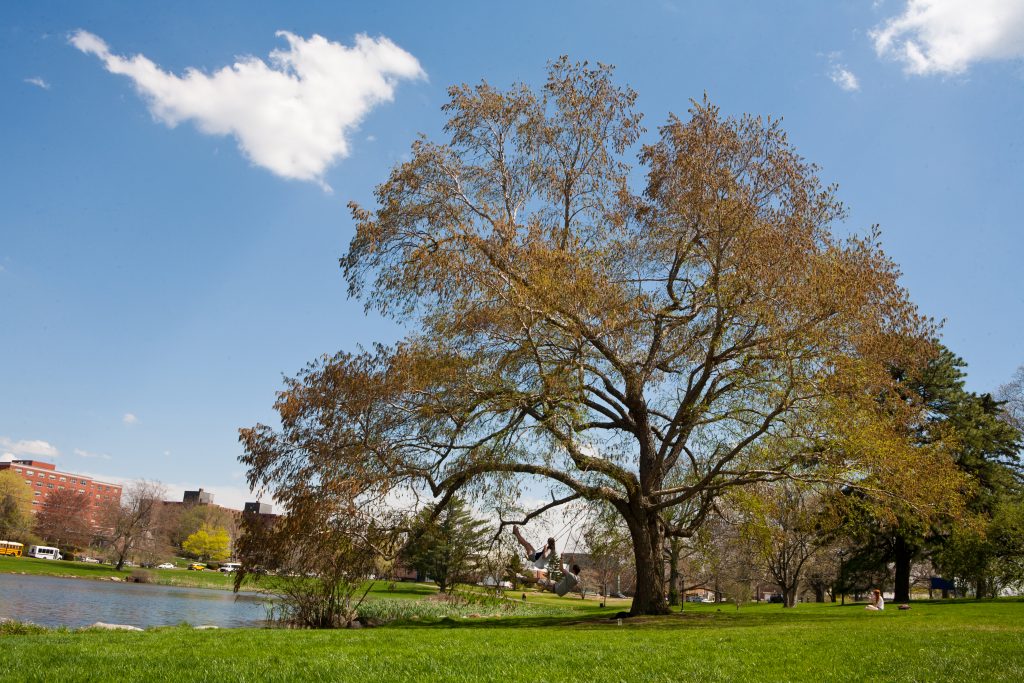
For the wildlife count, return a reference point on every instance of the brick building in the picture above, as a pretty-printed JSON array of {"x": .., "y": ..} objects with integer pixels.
[{"x": 45, "y": 480}]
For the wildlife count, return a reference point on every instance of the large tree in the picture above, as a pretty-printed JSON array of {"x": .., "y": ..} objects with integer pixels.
[
  {"x": 643, "y": 346},
  {"x": 983, "y": 445}
]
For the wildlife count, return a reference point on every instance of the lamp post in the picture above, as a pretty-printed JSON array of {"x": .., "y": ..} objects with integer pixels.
[{"x": 842, "y": 576}]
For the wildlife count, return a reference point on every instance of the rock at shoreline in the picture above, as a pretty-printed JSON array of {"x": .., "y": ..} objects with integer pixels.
[
  {"x": 114, "y": 627},
  {"x": 205, "y": 627}
]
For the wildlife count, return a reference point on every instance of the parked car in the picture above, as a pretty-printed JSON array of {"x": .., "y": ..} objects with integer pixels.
[
  {"x": 229, "y": 567},
  {"x": 197, "y": 567},
  {"x": 165, "y": 565}
]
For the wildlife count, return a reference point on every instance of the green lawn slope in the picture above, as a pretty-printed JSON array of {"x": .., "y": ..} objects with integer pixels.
[{"x": 953, "y": 641}]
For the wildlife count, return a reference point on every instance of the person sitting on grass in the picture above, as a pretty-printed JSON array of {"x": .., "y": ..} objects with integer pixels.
[
  {"x": 877, "y": 603},
  {"x": 570, "y": 579},
  {"x": 538, "y": 559}
]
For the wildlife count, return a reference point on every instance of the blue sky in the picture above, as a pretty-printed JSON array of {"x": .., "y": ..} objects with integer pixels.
[{"x": 157, "y": 280}]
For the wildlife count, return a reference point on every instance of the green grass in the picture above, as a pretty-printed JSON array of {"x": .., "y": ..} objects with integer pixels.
[
  {"x": 84, "y": 570},
  {"x": 958, "y": 641}
]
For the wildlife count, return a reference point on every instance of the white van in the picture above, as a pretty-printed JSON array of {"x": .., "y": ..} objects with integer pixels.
[
  {"x": 229, "y": 567},
  {"x": 44, "y": 552}
]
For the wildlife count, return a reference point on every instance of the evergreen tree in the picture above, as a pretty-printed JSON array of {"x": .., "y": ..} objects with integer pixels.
[
  {"x": 984, "y": 446},
  {"x": 445, "y": 543},
  {"x": 555, "y": 567}
]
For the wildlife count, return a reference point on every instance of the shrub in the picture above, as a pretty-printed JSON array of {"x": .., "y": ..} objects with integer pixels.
[
  {"x": 452, "y": 606},
  {"x": 20, "y": 628},
  {"x": 141, "y": 576}
]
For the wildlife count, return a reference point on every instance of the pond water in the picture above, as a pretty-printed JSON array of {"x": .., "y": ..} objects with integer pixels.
[{"x": 51, "y": 601}]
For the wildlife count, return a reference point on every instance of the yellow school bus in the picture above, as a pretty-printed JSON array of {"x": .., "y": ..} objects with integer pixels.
[{"x": 11, "y": 548}]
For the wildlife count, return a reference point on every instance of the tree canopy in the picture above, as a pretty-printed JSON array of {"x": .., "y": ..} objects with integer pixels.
[
  {"x": 208, "y": 543},
  {"x": 648, "y": 335},
  {"x": 15, "y": 506}
]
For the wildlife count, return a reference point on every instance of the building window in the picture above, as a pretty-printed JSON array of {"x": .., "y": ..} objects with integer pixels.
[
  {"x": 37, "y": 493},
  {"x": 63, "y": 478},
  {"x": 49, "y": 486},
  {"x": 53, "y": 476},
  {"x": 18, "y": 470}
]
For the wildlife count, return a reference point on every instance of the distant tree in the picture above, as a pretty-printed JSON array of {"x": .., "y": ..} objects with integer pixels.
[
  {"x": 191, "y": 517},
  {"x": 15, "y": 506},
  {"x": 515, "y": 572},
  {"x": 499, "y": 562},
  {"x": 133, "y": 522},
  {"x": 208, "y": 543},
  {"x": 986, "y": 554},
  {"x": 445, "y": 543},
  {"x": 1012, "y": 396},
  {"x": 609, "y": 548},
  {"x": 732, "y": 561},
  {"x": 783, "y": 521},
  {"x": 65, "y": 519},
  {"x": 822, "y": 571}
]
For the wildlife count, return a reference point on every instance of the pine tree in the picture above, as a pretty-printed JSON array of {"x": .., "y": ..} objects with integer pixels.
[
  {"x": 555, "y": 567},
  {"x": 445, "y": 545}
]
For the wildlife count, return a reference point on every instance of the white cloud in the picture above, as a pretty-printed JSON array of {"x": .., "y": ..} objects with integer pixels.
[
  {"x": 844, "y": 78},
  {"x": 28, "y": 447},
  {"x": 947, "y": 36},
  {"x": 89, "y": 454},
  {"x": 38, "y": 82},
  {"x": 291, "y": 116},
  {"x": 130, "y": 419}
]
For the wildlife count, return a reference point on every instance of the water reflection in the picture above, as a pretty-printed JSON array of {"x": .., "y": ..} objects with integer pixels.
[{"x": 52, "y": 601}]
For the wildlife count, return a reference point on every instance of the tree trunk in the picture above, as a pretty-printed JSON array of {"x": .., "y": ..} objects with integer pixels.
[
  {"x": 647, "y": 537},
  {"x": 903, "y": 556},
  {"x": 819, "y": 593},
  {"x": 789, "y": 595},
  {"x": 674, "y": 597}
]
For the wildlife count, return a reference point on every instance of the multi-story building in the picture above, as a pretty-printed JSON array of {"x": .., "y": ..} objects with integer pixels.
[{"x": 45, "y": 480}]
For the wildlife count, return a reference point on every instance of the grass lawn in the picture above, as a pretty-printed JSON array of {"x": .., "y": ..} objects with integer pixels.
[
  {"x": 181, "y": 577},
  {"x": 953, "y": 641},
  {"x": 165, "y": 577}
]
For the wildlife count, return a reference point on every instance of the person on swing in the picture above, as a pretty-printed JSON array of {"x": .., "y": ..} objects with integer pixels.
[
  {"x": 570, "y": 580},
  {"x": 538, "y": 559}
]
